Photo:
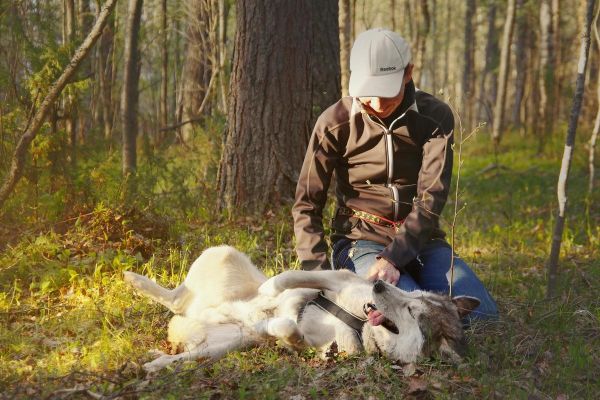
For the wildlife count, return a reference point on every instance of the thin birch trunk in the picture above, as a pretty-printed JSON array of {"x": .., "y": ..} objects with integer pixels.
[{"x": 568, "y": 153}]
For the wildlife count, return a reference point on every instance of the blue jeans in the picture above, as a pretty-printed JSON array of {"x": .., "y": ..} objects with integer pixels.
[{"x": 432, "y": 271}]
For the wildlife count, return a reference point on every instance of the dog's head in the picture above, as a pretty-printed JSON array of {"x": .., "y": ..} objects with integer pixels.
[{"x": 412, "y": 324}]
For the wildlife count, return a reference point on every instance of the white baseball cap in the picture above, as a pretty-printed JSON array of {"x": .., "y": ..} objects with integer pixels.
[{"x": 377, "y": 63}]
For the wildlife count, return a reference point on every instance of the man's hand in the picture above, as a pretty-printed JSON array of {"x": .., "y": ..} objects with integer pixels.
[{"x": 385, "y": 271}]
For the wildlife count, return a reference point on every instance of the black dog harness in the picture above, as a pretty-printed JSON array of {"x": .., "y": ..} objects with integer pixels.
[{"x": 345, "y": 316}]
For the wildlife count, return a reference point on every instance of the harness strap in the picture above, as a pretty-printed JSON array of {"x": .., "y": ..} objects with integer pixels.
[
  {"x": 372, "y": 218},
  {"x": 346, "y": 317}
]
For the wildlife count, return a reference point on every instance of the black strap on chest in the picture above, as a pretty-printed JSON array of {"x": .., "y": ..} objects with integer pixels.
[{"x": 346, "y": 317}]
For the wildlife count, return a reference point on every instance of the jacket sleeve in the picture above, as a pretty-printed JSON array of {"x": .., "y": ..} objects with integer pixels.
[
  {"x": 311, "y": 196},
  {"x": 433, "y": 186}
]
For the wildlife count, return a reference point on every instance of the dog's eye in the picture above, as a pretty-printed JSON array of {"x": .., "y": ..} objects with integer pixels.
[{"x": 410, "y": 311}]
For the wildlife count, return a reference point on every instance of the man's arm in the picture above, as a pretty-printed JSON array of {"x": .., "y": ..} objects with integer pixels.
[
  {"x": 433, "y": 187},
  {"x": 311, "y": 196}
]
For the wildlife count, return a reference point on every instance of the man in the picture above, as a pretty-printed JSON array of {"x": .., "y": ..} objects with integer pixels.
[{"x": 390, "y": 147}]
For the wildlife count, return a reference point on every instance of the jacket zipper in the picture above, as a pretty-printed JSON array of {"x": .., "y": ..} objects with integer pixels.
[{"x": 389, "y": 149}]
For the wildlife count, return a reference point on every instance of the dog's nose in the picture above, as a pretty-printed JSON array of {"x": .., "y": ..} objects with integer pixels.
[{"x": 379, "y": 286}]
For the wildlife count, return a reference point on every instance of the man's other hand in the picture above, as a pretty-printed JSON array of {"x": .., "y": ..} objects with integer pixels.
[{"x": 385, "y": 271}]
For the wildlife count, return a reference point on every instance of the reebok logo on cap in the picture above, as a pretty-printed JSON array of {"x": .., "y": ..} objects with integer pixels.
[{"x": 377, "y": 63}]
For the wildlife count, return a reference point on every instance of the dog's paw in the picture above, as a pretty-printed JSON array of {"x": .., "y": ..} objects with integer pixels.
[{"x": 269, "y": 288}]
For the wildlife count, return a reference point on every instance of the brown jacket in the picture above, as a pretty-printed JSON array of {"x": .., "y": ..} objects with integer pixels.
[{"x": 398, "y": 174}]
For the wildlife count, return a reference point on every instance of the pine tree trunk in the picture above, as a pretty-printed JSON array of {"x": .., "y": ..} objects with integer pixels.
[
  {"x": 594, "y": 137},
  {"x": 199, "y": 64},
  {"x": 468, "y": 68},
  {"x": 164, "y": 76},
  {"x": 503, "y": 75},
  {"x": 568, "y": 152},
  {"x": 345, "y": 22},
  {"x": 325, "y": 57},
  {"x": 270, "y": 109},
  {"x": 129, "y": 95},
  {"x": 488, "y": 78},
  {"x": 520, "y": 62}
]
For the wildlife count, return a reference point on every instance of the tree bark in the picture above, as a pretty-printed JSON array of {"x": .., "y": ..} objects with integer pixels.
[
  {"x": 325, "y": 57},
  {"x": 164, "y": 70},
  {"x": 487, "y": 86},
  {"x": 568, "y": 152},
  {"x": 104, "y": 73},
  {"x": 468, "y": 68},
  {"x": 345, "y": 22},
  {"x": 199, "y": 64},
  {"x": 596, "y": 130},
  {"x": 223, "y": 17},
  {"x": 546, "y": 82},
  {"x": 129, "y": 94},
  {"x": 270, "y": 107},
  {"x": 18, "y": 159},
  {"x": 520, "y": 62},
  {"x": 503, "y": 75}
]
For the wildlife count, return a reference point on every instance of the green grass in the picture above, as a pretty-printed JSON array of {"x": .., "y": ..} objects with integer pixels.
[{"x": 70, "y": 324}]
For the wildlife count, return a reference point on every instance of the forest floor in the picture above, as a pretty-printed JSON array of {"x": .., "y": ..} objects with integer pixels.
[{"x": 71, "y": 328}]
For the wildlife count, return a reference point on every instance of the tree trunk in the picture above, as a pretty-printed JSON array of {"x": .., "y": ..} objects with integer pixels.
[
  {"x": 520, "y": 62},
  {"x": 326, "y": 81},
  {"x": 270, "y": 109},
  {"x": 487, "y": 86},
  {"x": 70, "y": 102},
  {"x": 568, "y": 153},
  {"x": 199, "y": 64},
  {"x": 546, "y": 82},
  {"x": 596, "y": 130},
  {"x": 129, "y": 94},
  {"x": 223, "y": 17},
  {"x": 18, "y": 159},
  {"x": 164, "y": 70},
  {"x": 104, "y": 73},
  {"x": 503, "y": 75},
  {"x": 468, "y": 69},
  {"x": 345, "y": 22},
  {"x": 424, "y": 27}
]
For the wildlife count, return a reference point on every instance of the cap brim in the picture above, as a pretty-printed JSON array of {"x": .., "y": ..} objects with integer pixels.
[{"x": 375, "y": 86}]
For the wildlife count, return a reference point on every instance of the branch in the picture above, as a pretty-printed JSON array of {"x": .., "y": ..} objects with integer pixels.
[{"x": 18, "y": 160}]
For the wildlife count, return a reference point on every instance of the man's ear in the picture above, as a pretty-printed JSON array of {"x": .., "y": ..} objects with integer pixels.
[
  {"x": 408, "y": 70},
  {"x": 465, "y": 304}
]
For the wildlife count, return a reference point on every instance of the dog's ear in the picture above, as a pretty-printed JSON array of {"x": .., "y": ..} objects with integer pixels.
[
  {"x": 465, "y": 304},
  {"x": 452, "y": 350}
]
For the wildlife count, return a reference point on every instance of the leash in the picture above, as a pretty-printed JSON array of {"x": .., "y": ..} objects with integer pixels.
[
  {"x": 368, "y": 217},
  {"x": 354, "y": 322}
]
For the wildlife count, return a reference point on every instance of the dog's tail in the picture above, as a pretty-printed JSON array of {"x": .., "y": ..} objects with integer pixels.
[{"x": 175, "y": 299}]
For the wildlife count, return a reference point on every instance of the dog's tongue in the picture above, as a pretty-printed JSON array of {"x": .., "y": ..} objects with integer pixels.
[{"x": 375, "y": 317}]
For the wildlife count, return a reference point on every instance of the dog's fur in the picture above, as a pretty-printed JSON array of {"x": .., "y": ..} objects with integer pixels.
[{"x": 226, "y": 303}]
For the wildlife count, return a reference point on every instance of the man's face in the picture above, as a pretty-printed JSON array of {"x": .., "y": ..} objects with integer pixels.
[{"x": 383, "y": 107}]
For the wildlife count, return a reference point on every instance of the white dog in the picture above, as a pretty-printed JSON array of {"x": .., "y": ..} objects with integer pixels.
[{"x": 226, "y": 304}]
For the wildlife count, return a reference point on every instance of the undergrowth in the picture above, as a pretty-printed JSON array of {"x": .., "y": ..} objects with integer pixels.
[{"x": 71, "y": 328}]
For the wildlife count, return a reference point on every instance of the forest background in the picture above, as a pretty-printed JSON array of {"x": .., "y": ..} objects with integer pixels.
[{"x": 184, "y": 125}]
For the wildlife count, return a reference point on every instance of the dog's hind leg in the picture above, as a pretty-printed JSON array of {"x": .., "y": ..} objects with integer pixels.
[
  {"x": 175, "y": 300},
  {"x": 220, "y": 340}
]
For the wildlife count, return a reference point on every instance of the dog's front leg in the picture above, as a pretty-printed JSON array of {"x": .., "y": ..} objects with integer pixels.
[
  {"x": 282, "y": 328},
  {"x": 323, "y": 280}
]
